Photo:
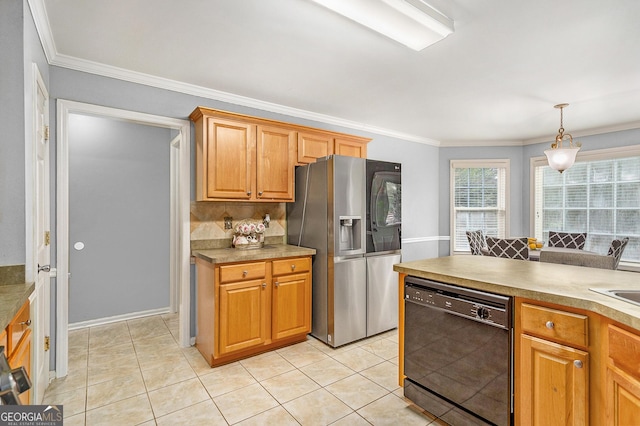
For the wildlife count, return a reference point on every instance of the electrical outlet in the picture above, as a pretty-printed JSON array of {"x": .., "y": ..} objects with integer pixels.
[{"x": 228, "y": 222}]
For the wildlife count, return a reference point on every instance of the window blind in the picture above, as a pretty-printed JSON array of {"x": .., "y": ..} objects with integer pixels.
[{"x": 479, "y": 200}]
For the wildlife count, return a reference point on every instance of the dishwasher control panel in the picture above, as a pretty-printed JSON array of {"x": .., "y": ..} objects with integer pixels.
[{"x": 489, "y": 308}]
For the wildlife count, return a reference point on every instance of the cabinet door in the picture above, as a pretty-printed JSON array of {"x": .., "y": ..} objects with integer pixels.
[
  {"x": 623, "y": 398},
  {"x": 312, "y": 146},
  {"x": 243, "y": 316},
  {"x": 291, "y": 305},
  {"x": 229, "y": 154},
  {"x": 554, "y": 384},
  {"x": 21, "y": 357},
  {"x": 350, "y": 148},
  {"x": 275, "y": 153}
]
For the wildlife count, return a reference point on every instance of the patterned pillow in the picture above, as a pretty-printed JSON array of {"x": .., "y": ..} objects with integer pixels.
[
  {"x": 512, "y": 248},
  {"x": 476, "y": 241},
  {"x": 616, "y": 249},
  {"x": 567, "y": 240}
]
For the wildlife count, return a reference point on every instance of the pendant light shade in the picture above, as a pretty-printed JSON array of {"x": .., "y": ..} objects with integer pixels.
[{"x": 560, "y": 158}]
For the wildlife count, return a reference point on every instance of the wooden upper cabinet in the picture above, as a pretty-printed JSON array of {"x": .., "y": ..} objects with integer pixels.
[
  {"x": 243, "y": 158},
  {"x": 229, "y": 157},
  {"x": 275, "y": 167},
  {"x": 350, "y": 147},
  {"x": 312, "y": 146}
]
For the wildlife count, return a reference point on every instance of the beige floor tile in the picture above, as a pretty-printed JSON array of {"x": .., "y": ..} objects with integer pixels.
[
  {"x": 143, "y": 328},
  {"x": 356, "y": 391},
  {"x": 152, "y": 360},
  {"x": 177, "y": 396},
  {"x": 227, "y": 378},
  {"x": 358, "y": 359},
  {"x": 77, "y": 420},
  {"x": 76, "y": 379},
  {"x": 317, "y": 408},
  {"x": 353, "y": 419},
  {"x": 102, "y": 353},
  {"x": 74, "y": 401},
  {"x": 131, "y": 411},
  {"x": 244, "y": 403},
  {"x": 266, "y": 365},
  {"x": 108, "y": 335},
  {"x": 290, "y": 385},
  {"x": 276, "y": 416},
  {"x": 327, "y": 371},
  {"x": 302, "y": 354},
  {"x": 78, "y": 340},
  {"x": 384, "y": 348},
  {"x": 391, "y": 410},
  {"x": 153, "y": 344},
  {"x": 201, "y": 414},
  {"x": 385, "y": 374},
  {"x": 196, "y": 360},
  {"x": 115, "y": 390},
  {"x": 167, "y": 374},
  {"x": 111, "y": 370}
]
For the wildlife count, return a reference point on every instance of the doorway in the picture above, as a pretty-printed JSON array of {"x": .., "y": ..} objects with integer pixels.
[{"x": 77, "y": 240}]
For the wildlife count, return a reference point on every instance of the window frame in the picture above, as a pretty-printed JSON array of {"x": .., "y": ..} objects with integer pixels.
[
  {"x": 477, "y": 163},
  {"x": 583, "y": 156}
]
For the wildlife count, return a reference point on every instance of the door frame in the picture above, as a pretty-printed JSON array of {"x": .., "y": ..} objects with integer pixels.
[{"x": 179, "y": 216}]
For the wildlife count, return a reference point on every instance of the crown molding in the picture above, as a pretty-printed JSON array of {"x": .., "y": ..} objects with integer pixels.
[
  {"x": 41, "y": 19},
  {"x": 588, "y": 132},
  {"x": 478, "y": 143}
]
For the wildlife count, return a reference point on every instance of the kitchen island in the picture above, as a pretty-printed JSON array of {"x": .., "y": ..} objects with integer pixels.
[
  {"x": 251, "y": 301},
  {"x": 577, "y": 352}
]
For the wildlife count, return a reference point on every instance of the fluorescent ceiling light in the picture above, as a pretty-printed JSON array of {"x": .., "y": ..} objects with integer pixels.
[{"x": 411, "y": 22}]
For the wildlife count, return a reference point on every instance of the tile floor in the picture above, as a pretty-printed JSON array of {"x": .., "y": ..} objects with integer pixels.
[{"x": 133, "y": 372}]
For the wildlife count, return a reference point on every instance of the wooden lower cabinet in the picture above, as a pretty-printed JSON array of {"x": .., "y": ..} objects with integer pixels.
[
  {"x": 17, "y": 341},
  {"x": 622, "y": 377},
  {"x": 554, "y": 384},
  {"x": 247, "y": 308}
]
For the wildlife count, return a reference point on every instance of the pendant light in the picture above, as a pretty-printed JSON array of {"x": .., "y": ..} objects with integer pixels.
[{"x": 560, "y": 158}]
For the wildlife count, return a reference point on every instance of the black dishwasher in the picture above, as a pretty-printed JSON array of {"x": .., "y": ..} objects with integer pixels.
[{"x": 458, "y": 353}]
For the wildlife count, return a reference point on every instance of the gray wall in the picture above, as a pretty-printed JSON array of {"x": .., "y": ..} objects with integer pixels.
[
  {"x": 119, "y": 180},
  {"x": 514, "y": 154},
  {"x": 19, "y": 49}
]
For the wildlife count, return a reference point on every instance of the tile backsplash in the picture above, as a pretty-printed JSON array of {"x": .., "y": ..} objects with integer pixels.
[{"x": 207, "y": 222}]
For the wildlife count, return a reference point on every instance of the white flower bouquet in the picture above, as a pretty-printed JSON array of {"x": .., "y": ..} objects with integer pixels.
[{"x": 248, "y": 234}]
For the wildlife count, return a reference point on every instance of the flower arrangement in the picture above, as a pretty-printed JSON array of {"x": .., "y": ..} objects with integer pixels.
[{"x": 248, "y": 234}]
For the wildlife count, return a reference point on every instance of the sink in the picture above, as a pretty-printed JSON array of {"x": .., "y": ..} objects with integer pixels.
[{"x": 631, "y": 296}]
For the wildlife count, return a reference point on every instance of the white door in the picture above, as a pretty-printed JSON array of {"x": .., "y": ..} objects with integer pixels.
[{"x": 40, "y": 309}]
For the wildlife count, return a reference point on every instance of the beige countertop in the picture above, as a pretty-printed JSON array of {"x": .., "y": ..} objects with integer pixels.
[
  {"x": 271, "y": 251},
  {"x": 548, "y": 282},
  {"x": 12, "y": 297}
]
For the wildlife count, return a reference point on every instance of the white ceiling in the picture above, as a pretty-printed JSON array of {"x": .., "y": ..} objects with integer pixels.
[{"x": 493, "y": 81}]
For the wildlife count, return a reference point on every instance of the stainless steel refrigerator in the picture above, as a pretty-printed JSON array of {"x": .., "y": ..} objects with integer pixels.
[{"x": 329, "y": 216}]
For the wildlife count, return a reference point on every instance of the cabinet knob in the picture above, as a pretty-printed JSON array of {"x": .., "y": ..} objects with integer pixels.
[
  {"x": 27, "y": 322},
  {"x": 577, "y": 363},
  {"x": 249, "y": 193},
  {"x": 550, "y": 325},
  {"x": 245, "y": 273},
  {"x": 293, "y": 267},
  {"x": 277, "y": 283},
  {"x": 260, "y": 193},
  {"x": 264, "y": 285}
]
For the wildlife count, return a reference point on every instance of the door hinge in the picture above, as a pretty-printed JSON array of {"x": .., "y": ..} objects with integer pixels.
[
  {"x": 46, "y": 133},
  {"x": 47, "y": 343},
  {"x": 47, "y": 238}
]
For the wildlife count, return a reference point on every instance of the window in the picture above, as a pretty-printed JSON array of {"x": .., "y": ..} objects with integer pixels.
[
  {"x": 599, "y": 195},
  {"x": 479, "y": 200}
]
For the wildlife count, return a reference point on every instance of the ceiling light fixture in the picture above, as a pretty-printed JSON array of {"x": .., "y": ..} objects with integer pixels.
[
  {"x": 560, "y": 158},
  {"x": 411, "y": 22}
]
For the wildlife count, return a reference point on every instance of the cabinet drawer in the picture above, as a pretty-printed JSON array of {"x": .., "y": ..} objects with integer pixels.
[
  {"x": 245, "y": 271},
  {"x": 566, "y": 327},
  {"x": 289, "y": 266},
  {"x": 624, "y": 350},
  {"x": 18, "y": 327}
]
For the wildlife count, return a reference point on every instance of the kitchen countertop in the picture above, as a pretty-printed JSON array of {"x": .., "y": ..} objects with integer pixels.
[
  {"x": 270, "y": 251},
  {"x": 548, "y": 282},
  {"x": 12, "y": 297}
]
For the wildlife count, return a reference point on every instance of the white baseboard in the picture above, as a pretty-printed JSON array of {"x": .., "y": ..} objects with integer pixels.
[{"x": 117, "y": 318}]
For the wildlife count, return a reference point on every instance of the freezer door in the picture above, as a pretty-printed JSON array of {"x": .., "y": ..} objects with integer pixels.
[
  {"x": 382, "y": 293},
  {"x": 349, "y": 301}
]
